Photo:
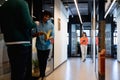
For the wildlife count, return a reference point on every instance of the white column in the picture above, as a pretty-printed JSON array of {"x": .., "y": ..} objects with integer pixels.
[
  {"x": 118, "y": 39},
  {"x": 118, "y": 33}
]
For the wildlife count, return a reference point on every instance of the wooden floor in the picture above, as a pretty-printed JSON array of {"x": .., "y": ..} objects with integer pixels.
[{"x": 75, "y": 69}]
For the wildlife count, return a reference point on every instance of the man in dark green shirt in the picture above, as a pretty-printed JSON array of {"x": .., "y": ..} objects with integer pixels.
[{"x": 16, "y": 24}]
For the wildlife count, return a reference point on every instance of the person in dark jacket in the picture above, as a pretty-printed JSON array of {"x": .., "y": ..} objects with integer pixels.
[{"x": 16, "y": 24}]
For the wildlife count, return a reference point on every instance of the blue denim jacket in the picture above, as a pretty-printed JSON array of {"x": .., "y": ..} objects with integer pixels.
[{"x": 41, "y": 43}]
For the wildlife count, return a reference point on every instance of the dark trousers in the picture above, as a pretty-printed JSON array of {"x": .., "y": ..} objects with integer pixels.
[
  {"x": 42, "y": 58},
  {"x": 20, "y": 60}
]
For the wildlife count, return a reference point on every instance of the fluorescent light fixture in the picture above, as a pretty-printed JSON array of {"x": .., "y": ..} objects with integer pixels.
[
  {"x": 109, "y": 8},
  {"x": 78, "y": 11}
]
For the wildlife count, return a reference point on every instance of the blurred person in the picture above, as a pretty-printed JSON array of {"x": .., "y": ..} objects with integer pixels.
[
  {"x": 96, "y": 43},
  {"x": 83, "y": 45},
  {"x": 16, "y": 25},
  {"x": 45, "y": 35}
]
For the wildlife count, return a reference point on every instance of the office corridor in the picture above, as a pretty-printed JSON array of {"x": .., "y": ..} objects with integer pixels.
[
  {"x": 75, "y": 69},
  {"x": 112, "y": 69}
]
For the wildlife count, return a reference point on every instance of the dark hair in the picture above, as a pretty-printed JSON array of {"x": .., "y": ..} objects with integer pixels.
[
  {"x": 44, "y": 13},
  {"x": 84, "y": 33}
]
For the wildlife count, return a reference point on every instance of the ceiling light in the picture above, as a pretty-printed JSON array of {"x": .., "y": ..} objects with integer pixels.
[
  {"x": 109, "y": 8},
  {"x": 78, "y": 11}
]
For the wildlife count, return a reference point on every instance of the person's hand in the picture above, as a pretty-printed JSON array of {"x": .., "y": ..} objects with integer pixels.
[
  {"x": 38, "y": 34},
  {"x": 52, "y": 40},
  {"x": 37, "y": 23},
  {"x": 41, "y": 33},
  {"x": 83, "y": 40}
]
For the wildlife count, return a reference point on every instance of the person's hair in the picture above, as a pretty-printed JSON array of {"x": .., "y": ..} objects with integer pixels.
[
  {"x": 84, "y": 33},
  {"x": 45, "y": 12}
]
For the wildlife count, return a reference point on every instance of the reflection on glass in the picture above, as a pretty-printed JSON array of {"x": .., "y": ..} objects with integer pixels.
[{"x": 4, "y": 61}]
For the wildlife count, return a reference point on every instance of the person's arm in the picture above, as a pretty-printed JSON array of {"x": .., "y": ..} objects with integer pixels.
[
  {"x": 81, "y": 40},
  {"x": 86, "y": 41},
  {"x": 38, "y": 34},
  {"x": 25, "y": 15}
]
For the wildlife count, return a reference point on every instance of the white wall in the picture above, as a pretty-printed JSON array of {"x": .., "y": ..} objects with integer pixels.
[
  {"x": 60, "y": 44},
  {"x": 118, "y": 33}
]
